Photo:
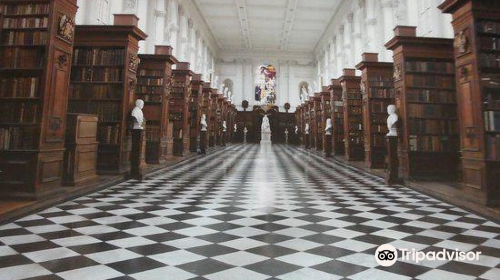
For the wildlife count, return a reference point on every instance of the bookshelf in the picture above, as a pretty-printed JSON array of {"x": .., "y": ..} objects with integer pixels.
[
  {"x": 326, "y": 112},
  {"x": 220, "y": 114},
  {"x": 195, "y": 101},
  {"x": 305, "y": 118},
  {"x": 299, "y": 122},
  {"x": 377, "y": 85},
  {"x": 154, "y": 76},
  {"x": 338, "y": 147},
  {"x": 318, "y": 121},
  {"x": 205, "y": 106},
  {"x": 477, "y": 52},
  {"x": 179, "y": 107},
  {"x": 212, "y": 124},
  {"x": 103, "y": 82},
  {"x": 35, "y": 49},
  {"x": 353, "y": 115},
  {"x": 312, "y": 122},
  {"x": 424, "y": 77}
]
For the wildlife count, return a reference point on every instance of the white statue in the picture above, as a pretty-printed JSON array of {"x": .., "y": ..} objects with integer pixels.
[
  {"x": 392, "y": 120},
  {"x": 328, "y": 128},
  {"x": 265, "y": 127},
  {"x": 203, "y": 123},
  {"x": 303, "y": 94},
  {"x": 235, "y": 128},
  {"x": 226, "y": 91},
  {"x": 307, "y": 129},
  {"x": 229, "y": 96},
  {"x": 245, "y": 130},
  {"x": 296, "y": 129},
  {"x": 224, "y": 126},
  {"x": 138, "y": 115}
]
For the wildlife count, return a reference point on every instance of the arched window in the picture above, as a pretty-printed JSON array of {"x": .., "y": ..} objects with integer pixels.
[
  {"x": 303, "y": 91},
  {"x": 265, "y": 85},
  {"x": 227, "y": 88}
]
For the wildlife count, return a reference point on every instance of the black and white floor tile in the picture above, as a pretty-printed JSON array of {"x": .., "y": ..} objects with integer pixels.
[{"x": 247, "y": 213}]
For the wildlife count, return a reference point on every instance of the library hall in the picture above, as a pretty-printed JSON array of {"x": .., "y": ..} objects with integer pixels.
[{"x": 250, "y": 139}]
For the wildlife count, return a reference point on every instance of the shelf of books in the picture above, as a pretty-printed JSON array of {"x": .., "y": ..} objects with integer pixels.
[
  {"x": 318, "y": 122},
  {"x": 36, "y": 45},
  {"x": 312, "y": 122},
  {"x": 212, "y": 123},
  {"x": 195, "y": 111},
  {"x": 219, "y": 118},
  {"x": 153, "y": 86},
  {"x": 477, "y": 59},
  {"x": 179, "y": 107},
  {"x": 307, "y": 122},
  {"x": 353, "y": 115},
  {"x": 424, "y": 77},
  {"x": 326, "y": 111},
  {"x": 377, "y": 87},
  {"x": 338, "y": 147},
  {"x": 205, "y": 104},
  {"x": 103, "y": 82}
]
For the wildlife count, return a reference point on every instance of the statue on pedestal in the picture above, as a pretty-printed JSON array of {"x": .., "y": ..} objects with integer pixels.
[
  {"x": 265, "y": 130},
  {"x": 392, "y": 121},
  {"x": 235, "y": 128},
  {"x": 137, "y": 151},
  {"x": 307, "y": 129},
  {"x": 245, "y": 131},
  {"x": 203, "y": 134},
  {"x": 203, "y": 122}
]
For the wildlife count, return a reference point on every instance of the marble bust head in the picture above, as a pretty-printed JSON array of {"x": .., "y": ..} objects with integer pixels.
[
  {"x": 392, "y": 120},
  {"x": 137, "y": 114}
]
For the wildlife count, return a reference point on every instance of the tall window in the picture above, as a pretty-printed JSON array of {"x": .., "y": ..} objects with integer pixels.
[{"x": 265, "y": 88}]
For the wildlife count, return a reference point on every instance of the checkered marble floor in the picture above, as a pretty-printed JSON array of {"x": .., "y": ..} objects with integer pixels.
[{"x": 247, "y": 212}]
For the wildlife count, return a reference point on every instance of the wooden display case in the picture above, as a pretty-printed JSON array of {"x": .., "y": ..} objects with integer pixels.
[
  {"x": 377, "y": 87},
  {"x": 212, "y": 124},
  {"x": 477, "y": 56},
  {"x": 103, "y": 81},
  {"x": 80, "y": 156},
  {"x": 338, "y": 147},
  {"x": 424, "y": 77},
  {"x": 35, "y": 51},
  {"x": 179, "y": 107},
  {"x": 326, "y": 111},
  {"x": 353, "y": 115},
  {"x": 318, "y": 122},
  {"x": 154, "y": 77},
  {"x": 195, "y": 104}
]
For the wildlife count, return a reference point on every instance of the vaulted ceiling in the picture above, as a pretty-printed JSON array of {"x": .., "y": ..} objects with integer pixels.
[{"x": 267, "y": 25}]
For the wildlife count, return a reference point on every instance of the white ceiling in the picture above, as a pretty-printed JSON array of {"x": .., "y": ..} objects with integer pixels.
[{"x": 268, "y": 25}]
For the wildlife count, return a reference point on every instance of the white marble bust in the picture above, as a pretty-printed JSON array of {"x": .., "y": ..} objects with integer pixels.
[
  {"x": 328, "y": 127},
  {"x": 203, "y": 123},
  {"x": 245, "y": 130},
  {"x": 224, "y": 126},
  {"x": 307, "y": 129},
  {"x": 392, "y": 120},
  {"x": 296, "y": 129},
  {"x": 137, "y": 114},
  {"x": 235, "y": 128}
]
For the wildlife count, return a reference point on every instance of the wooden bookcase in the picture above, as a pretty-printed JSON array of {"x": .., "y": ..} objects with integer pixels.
[
  {"x": 103, "y": 81},
  {"x": 318, "y": 122},
  {"x": 424, "y": 77},
  {"x": 300, "y": 124},
  {"x": 212, "y": 124},
  {"x": 326, "y": 111},
  {"x": 153, "y": 86},
  {"x": 353, "y": 115},
  {"x": 179, "y": 107},
  {"x": 219, "y": 118},
  {"x": 195, "y": 103},
  {"x": 377, "y": 87},
  {"x": 305, "y": 116},
  {"x": 338, "y": 147},
  {"x": 35, "y": 51},
  {"x": 205, "y": 105},
  {"x": 477, "y": 56},
  {"x": 312, "y": 122}
]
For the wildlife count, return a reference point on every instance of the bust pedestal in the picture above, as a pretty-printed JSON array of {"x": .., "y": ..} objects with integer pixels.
[{"x": 265, "y": 137}]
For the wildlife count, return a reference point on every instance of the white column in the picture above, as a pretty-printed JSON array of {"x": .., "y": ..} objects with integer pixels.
[
  {"x": 172, "y": 26},
  {"x": 192, "y": 47},
  {"x": 160, "y": 22},
  {"x": 340, "y": 50},
  {"x": 182, "y": 40}
]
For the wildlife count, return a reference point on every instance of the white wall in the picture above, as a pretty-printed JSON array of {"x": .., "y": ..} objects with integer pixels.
[{"x": 167, "y": 22}]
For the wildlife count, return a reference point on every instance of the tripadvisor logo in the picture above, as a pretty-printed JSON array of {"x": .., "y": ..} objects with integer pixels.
[{"x": 387, "y": 255}]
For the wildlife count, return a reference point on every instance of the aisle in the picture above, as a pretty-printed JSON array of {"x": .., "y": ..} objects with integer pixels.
[{"x": 247, "y": 213}]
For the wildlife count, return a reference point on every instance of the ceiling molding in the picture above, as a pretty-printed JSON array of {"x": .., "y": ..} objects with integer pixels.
[
  {"x": 289, "y": 18},
  {"x": 241, "y": 7}
]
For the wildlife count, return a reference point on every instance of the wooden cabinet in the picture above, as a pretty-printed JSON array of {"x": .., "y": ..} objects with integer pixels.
[
  {"x": 154, "y": 79},
  {"x": 195, "y": 103},
  {"x": 35, "y": 58},
  {"x": 212, "y": 124},
  {"x": 424, "y": 77},
  {"x": 318, "y": 122},
  {"x": 377, "y": 87},
  {"x": 179, "y": 107},
  {"x": 80, "y": 156},
  {"x": 326, "y": 112},
  {"x": 353, "y": 115},
  {"x": 338, "y": 147},
  {"x": 477, "y": 55},
  {"x": 103, "y": 82}
]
